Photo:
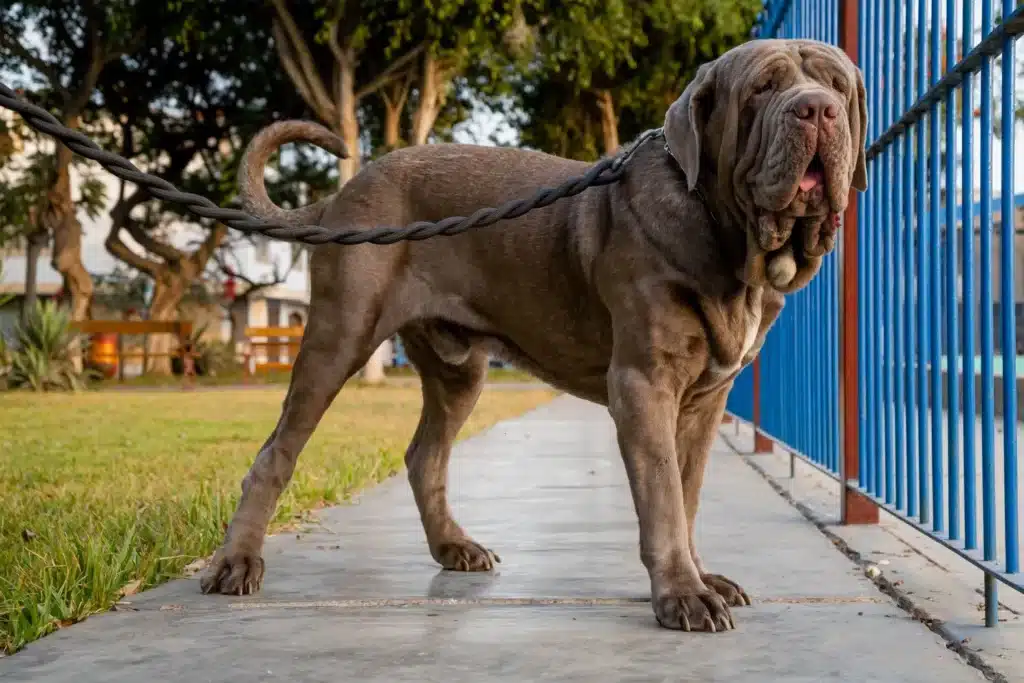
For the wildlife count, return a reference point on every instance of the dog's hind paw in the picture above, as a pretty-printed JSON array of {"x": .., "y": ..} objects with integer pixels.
[
  {"x": 233, "y": 574},
  {"x": 466, "y": 555}
]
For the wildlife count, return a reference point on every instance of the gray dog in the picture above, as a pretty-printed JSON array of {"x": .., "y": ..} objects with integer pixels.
[{"x": 647, "y": 296}]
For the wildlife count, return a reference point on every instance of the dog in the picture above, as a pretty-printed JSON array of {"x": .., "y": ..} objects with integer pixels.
[{"x": 648, "y": 295}]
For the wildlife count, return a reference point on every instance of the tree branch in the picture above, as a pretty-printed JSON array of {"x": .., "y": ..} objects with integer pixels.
[
  {"x": 304, "y": 57},
  {"x": 205, "y": 250},
  {"x": 150, "y": 244},
  {"x": 291, "y": 67},
  {"x": 119, "y": 215},
  {"x": 394, "y": 70},
  {"x": 120, "y": 250}
]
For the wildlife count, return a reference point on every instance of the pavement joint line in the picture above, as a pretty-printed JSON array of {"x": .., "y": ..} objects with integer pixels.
[
  {"x": 371, "y": 603},
  {"x": 903, "y": 601}
]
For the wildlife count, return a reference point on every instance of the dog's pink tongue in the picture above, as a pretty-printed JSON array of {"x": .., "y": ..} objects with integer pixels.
[{"x": 811, "y": 180}]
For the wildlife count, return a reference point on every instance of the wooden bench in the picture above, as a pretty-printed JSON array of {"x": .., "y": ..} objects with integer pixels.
[
  {"x": 268, "y": 339},
  {"x": 179, "y": 329}
]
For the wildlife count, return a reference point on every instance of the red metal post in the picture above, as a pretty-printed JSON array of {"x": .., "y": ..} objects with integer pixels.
[
  {"x": 855, "y": 507},
  {"x": 762, "y": 444}
]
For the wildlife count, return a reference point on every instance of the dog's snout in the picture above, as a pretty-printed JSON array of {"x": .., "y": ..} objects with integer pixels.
[{"x": 815, "y": 106}]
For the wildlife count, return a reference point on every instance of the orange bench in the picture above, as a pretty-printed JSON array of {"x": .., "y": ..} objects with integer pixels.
[{"x": 268, "y": 339}]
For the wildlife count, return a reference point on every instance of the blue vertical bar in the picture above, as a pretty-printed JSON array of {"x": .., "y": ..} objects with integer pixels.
[
  {"x": 968, "y": 326},
  {"x": 899, "y": 281},
  {"x": 819, "y": 319},
  {"x": 988, "y": 471},
  {"x": 863, "y": 271},
  {"x": 830, "y": 417},
  {"x": 934, "y": 370},
  {"x": 868, "y": 19},
  {"x": 923, "y": 347},
  {"x": 952, "y": 358},
  {"x": 988, "y": 456},
  {"x": 887, "y": 286},
  {"x": 883, "y": 346},
  {"x": 910, "y": 334},
  {"x": 894, "y": 468},
  {"x": 1008, "y": 300}
]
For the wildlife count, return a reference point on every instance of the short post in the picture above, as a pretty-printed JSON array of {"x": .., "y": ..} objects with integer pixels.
[
  {"x": 855, "y": 508},
  {"x": 188, "y": 360},
  {"x": 120, "y": 357},
  {"x": 762, "y": 444}
]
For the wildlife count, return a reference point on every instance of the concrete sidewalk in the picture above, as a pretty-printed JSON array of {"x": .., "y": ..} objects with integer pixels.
[{"x": 359, "y": 598}]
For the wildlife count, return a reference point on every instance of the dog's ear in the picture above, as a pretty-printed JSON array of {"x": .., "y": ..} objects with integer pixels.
[
  {"x": 858, "y": 115},
  {"x": 685, "y": 122}
]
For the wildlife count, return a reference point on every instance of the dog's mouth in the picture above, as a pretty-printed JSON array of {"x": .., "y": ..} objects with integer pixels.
[{"x": 814, "y": 176}]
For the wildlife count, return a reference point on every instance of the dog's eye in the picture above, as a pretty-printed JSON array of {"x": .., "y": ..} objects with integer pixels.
[
  {"x": 840, "y": 85},
  {"x": 764, "y": 87}
]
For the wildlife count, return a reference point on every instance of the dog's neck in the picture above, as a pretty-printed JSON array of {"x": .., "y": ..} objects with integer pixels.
[{"x": 689, "y": 228}]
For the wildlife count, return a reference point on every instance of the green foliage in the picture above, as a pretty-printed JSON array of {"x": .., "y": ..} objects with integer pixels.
[
  {"x": 642, "y": 53},
  {"x": 193, "y": 120},
  {"x": 212, "y": 357},
  {"x": 4, "y": 298},
  {"x": 41, "y": 356},
  {"x": 27, "y": 176}
]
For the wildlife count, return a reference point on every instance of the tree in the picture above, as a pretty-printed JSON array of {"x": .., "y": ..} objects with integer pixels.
[
  {"x": 185, "y": 108},
  {"x": 26, "y": 162},
  {"x": 340, "y": 53},
  {"x": 607, "y": 69},
  {"x": 75, "y": 42}
]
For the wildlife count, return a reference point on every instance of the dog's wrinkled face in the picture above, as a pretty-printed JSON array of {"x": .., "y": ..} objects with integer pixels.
[{"x": 775, "y": 130}]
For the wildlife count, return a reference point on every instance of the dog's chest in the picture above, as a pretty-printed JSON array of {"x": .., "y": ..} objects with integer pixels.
[{"x": 750, "y": 336}]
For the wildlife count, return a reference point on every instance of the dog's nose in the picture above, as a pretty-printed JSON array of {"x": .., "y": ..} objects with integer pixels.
[{"x": 815, "y": 106}]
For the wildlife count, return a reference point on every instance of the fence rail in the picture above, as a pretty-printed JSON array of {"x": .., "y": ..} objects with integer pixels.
[{"x": 870, "y": 373}]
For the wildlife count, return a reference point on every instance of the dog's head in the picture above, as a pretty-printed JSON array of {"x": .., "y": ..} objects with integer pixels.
[{"x": 774, "y": 131}]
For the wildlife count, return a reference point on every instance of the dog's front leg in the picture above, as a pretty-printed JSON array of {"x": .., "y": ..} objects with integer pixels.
[
  {"x": 695, "y": 433},
  {"x": 644, "y": 405}
]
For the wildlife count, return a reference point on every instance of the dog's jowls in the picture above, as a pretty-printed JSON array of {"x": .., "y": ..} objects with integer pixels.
[{"x": 647, "y": 296}]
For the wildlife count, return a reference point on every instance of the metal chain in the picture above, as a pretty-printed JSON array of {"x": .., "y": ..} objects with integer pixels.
[{"x": 605, "y": 172}]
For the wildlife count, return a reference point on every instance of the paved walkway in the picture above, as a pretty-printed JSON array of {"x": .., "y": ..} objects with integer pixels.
[{"x": 359, "y": 598}]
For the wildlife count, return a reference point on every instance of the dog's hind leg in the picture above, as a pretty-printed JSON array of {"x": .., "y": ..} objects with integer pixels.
[
  {"x": 450, "y": 391},
  {"x": 350, "y": 316}
]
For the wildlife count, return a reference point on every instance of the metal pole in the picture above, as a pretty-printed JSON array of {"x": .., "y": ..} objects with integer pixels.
[{"x": 855, "y": 508}]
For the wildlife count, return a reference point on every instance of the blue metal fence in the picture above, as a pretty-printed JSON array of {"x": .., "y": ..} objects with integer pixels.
[{"x": 926, "y": 430}]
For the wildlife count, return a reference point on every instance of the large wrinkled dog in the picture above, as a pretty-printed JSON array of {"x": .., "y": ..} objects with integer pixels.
[{"x": 648, "y": 295}]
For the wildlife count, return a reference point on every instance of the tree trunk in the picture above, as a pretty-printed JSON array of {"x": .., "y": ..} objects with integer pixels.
[
  {"x": 59, "y": 219},
  {"x": 392, "y": 126},
  {"x": 238, "y": 314},
  {"x": 348, "y": 124},
  {"x": 168, "y": 291},
  {"x": 394, "y": 95},
  {"x": 431, "y": 97},
  {"x": 373, "y": 371},
  {"x": 36, "y": 242},
  {"x": 609, "y": 121}
]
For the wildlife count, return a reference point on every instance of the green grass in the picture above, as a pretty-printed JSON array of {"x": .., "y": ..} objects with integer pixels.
[{"x": 107, "y": 492}]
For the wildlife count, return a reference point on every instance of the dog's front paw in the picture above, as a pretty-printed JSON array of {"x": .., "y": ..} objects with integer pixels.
[
  {"x": 465, "y": 555},
  {"x": 731, "y": 592},
  {"x": 233, "y": 571},
  {"x": 703, "y": 610}
]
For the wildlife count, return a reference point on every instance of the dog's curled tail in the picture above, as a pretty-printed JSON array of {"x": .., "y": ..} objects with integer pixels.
[{"x": 252, "y": 189}]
